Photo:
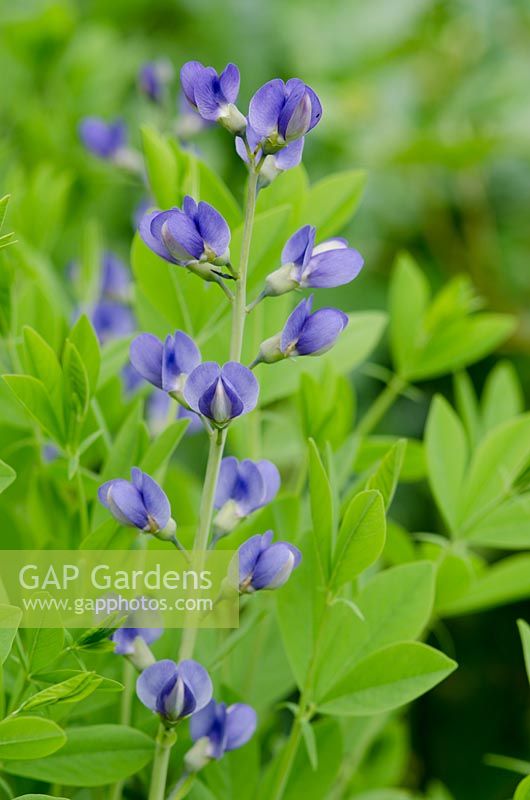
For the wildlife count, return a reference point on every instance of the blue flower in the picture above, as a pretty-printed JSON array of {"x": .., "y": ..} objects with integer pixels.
[
  {"x": 264, "y": 564},
  {"x": 158, "y": 409},
  {"x": 166, "y": 365},
  {"x": 138, "y": 503},
  {"x": 304, "y": 334},
  {"x": 103, "y": 139},
  {"x": 174, "y": 691},
  {"x": 221, "y": 393},
  {"x": 133, "y": 641},
  {"x": 190, "y": 237},
  {"x": 304, "y": 265},
  {"x": 112, "y": 320},
  {"x": 243, "y": 487},
  {"x": 115, "y": 279},
  {"x": 217, "y": 729},
  {"x": 281, "y": 113},
  {"x": 274, "y": 164},
  {"x": 212, "y": 95},
  {"x": 153, "y": 79}
]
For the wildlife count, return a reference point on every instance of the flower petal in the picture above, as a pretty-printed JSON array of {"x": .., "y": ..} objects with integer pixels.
[
  {"x": 126, "y": 504},
  {"x": 213, "y": 228},
  {"x": 190, "y": 74},
  {"x": 244, "y": 383},
  {"x": 274, "y": 567},
  {"x": 199, "y": 381},
  {"x": 271, "y": 479},
  {"x": 196, "y": 677},
  {"x": 229, "y": 80},
  {"x": 249, "y": 553},
  {"x": 290, "y": 156},
  {"x": 320, "y": 331},
  {"x": 265, "y": 107},
  {"x": 146, "y": 355},
  {"x": 299, "y": 246},
  {"x": 249, "y": 489},
  {"x": 153, "y": 680},
  {"x": 295, "y": 323},
  {"x": 241, "y": 722},
  {"x": 332, "y": 268},
  {"x": 154, "y": 498},
  {"x": 182, "y": 238},
  {"x": 226, "y": 482},
  {"x": 338, "y": 243},
  {"x": 153, "y": 242}
]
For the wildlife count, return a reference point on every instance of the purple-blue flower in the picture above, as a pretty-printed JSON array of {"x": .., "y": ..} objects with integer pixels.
[
  {"x": 264, "y": 564},
  {"x": 280, "y": 113},
  {"x": 243, "y": 487},
  {"x": 166, "y": 365},
  {"x": 274, "y": 164},
  {"x": 190, "y": 236},
  {"x": 306, "y": 265},
  {"x": 115, "y": 279},
  {"x": 159, "y": 407},
  {"x": 304, "y": 334},
  {"x": 125, "y": 639},
  {"x": 221, "y": 393},
  {"x": 103, "y": 139},
  {"x": 174, "y": 691},
  {"x": 112, "y": 320},
  {"x": 153, "y": 79},
  {"x": 223, "y": 728},
  {"x": 212, "y": 95},
  {"x": 138, "y": 503}
]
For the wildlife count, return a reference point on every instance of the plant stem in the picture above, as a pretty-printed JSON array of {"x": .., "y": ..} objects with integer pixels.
[
  {"x": 240, "y": 299},
  {"x": 183, "y": 787},
  {"x": 381, "y": 405},
  {"x": 83, "y": 512},
  {"x": 304, "y": 711},
  {"x": 200, "y": 544},
  {"x": 125, "y": 712},
  {"x": 165, "y": 740}
]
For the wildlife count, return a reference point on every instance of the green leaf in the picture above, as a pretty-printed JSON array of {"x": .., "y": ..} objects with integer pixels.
[
  {"x": 43, "y": 364},
  {"x": 467, "y": 405},
  {"x": 353, "y": 346},
  {"x": 386, "y": 476},
  {"x": 306, "y": 782},
  {"x": 45, "y": 644},
  {"x": 388, "y": 679},
  {"x": 447, "y": 454},
  {"x": 308, "y": 734},
  {"x": 213, "y": 190},
  {"x": 524, "y": 632},
  {"x": 114, "y": 356},
  {"x": 29, "y": 738},
  {"x": 506, "y": 527},
  {"x": 269, "y": 233},
  {"x": 33, "y": 396},
  {"x": 496, "y": 464},
  {"x": 322, "y": 511},
  {"x": 502, "y": 398},
  {"x": 523, "y": 790},
  {"x": 10, "y": 617},
  {"x": 506, "y": 581},
  {"x": 332, "y": 202},
  {"x": 161, "y": 167},
  {"x": 84, "y": 760},
  {"x": 361, "y": 537},
  {"x": 373, "y": 448},
  {"x": 72, "y": 690},
  {"x": 161, "y": 449},
  {"x": 7, "y": 476},
  {"x": 83, "y": 336},
  {"x": 409, "y": 297},
  {"x": 38, "y": 797}
]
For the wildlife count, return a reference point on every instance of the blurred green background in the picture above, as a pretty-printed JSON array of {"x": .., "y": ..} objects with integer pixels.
[{"x": 431, "y": 98}]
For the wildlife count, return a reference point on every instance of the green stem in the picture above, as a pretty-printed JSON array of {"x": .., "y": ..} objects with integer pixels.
[
  {"x": 125, "y": 712},
  {"x": 304, "y": 711},
  {"x": 183, "y": 787},
  {"x": 240, "y": 299},
  {"x": 200, "y": 544},
  {"x": 83, "y": 511},
  {"x": 382, "y": 404},
  {"x": 164, "y": 742}
]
